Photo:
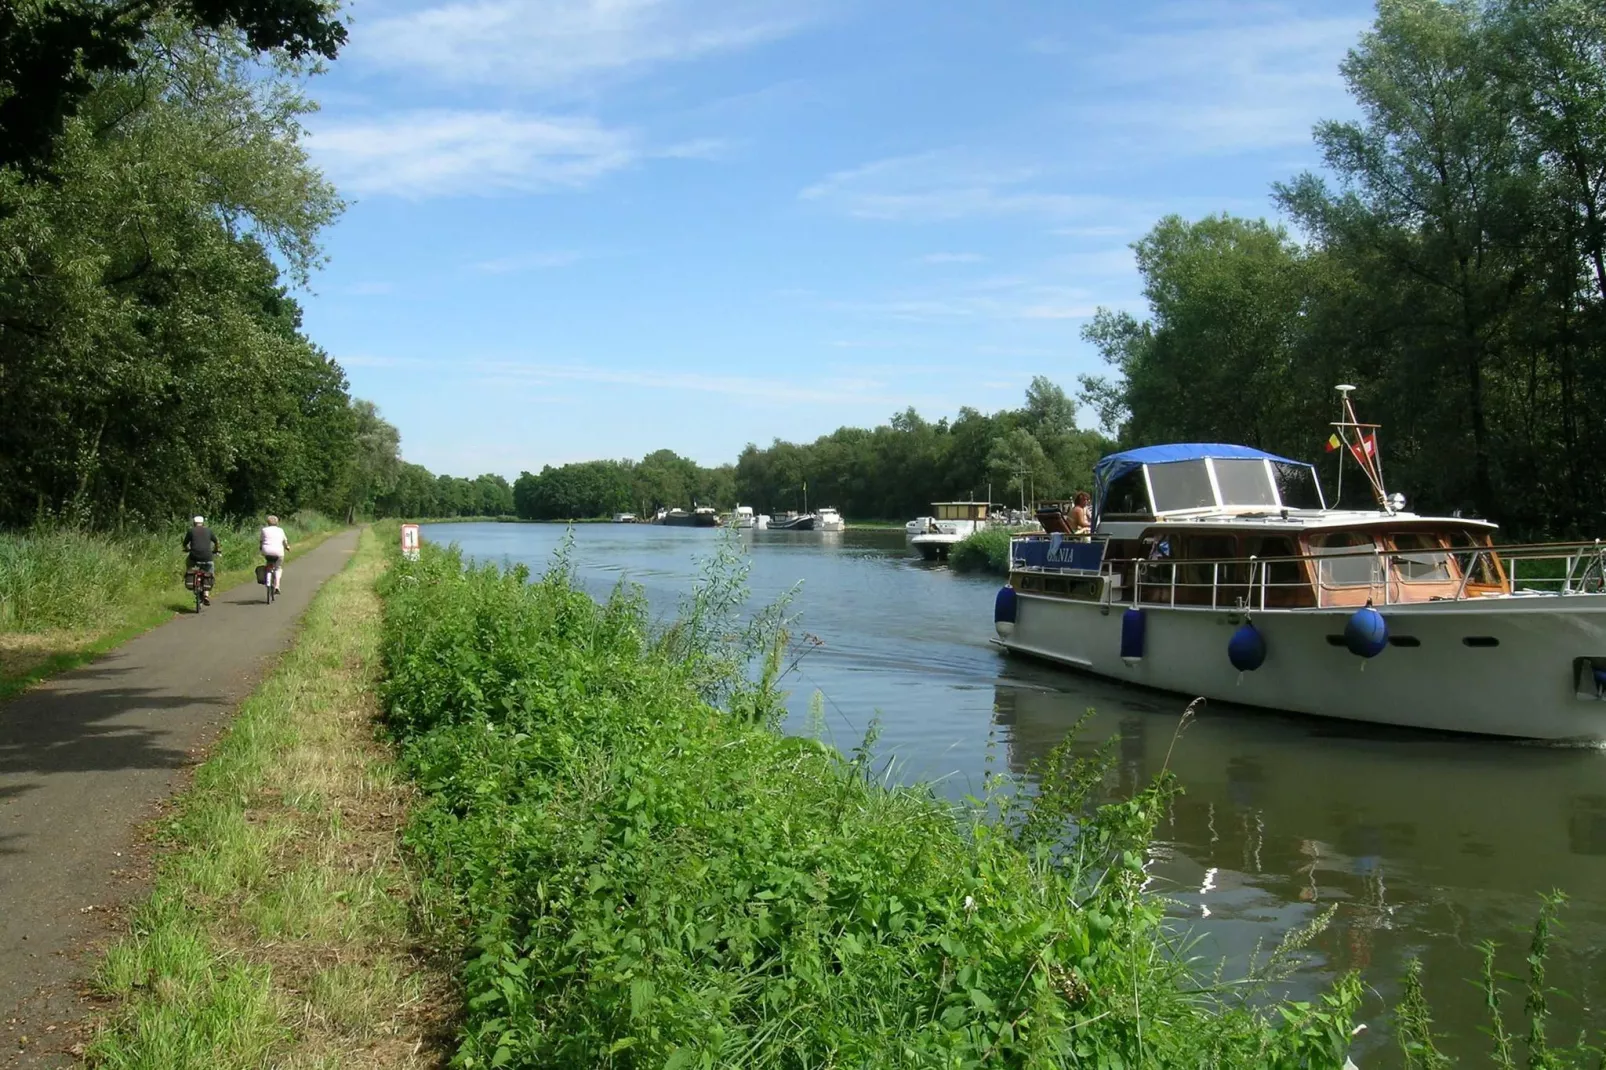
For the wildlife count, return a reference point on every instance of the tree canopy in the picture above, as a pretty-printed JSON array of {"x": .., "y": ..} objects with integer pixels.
[
  {"x": 152, "y": 362},
  {"x": 1452, "y": 267}
]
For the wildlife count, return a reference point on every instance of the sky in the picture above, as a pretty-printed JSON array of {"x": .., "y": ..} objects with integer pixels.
[{"x": 597, "y": 228}]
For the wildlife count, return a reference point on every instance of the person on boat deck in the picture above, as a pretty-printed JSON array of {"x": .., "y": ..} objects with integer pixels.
[
  {"x": 1160, "y": 548},
  {"x": 1082, "y": 515}
]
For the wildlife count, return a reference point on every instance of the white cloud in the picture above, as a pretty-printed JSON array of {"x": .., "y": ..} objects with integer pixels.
[
  {"x": 949, "y": 185},
  {"x": 561, "y": 44},
  {"x": 443, "y": 153},
  {"x": 1218, "y": 78}
]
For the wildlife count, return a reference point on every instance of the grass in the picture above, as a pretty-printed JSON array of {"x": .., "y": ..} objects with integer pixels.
[
  {"x": 645, "y": 873},
  {"x": 66, "y": 596},
  {"x": 986, "y": 550},
  {"x": 280, "y": 928}
]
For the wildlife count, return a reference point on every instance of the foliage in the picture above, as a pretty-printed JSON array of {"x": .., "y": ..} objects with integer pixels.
[
  {"x": 53, "y": 53},
  {"x": 152, "y": 364},
  {"x": 662, "y": 479},
  {"x": 64, "y": 578},
  {"x": 986, "y": 550},
  {"x": 1455, "y": 271},
  {"x": 901, "y": 467},
  {"x": 644, "y": 879}
]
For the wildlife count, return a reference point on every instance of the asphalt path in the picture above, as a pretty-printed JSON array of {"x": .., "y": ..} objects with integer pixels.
[{"x": 85, "y": 761}]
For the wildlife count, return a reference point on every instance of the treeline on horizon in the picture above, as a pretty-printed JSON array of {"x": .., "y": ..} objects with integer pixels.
[
  {"x": 892, "y": 471},
  {"x": 155, "y": 199},
  {"x": 1452, "y": 267}
]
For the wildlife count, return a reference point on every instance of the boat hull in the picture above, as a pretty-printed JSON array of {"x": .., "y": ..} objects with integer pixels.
[
  {"x": 1521, "y": 676},
  {"x": 691, "y": 520},
  {"x": 935, "y": 547},
  {"x": 802, "y": 523}
]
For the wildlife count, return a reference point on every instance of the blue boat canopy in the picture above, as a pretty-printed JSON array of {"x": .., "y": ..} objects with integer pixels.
[{"x": 1116, "y": 465}]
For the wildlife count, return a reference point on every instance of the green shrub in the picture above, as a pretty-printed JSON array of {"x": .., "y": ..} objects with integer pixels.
[
  {"x": 986, "y": 550},
  {"x": 71, "y": 579},
  {"x": 646, "y": 880}
]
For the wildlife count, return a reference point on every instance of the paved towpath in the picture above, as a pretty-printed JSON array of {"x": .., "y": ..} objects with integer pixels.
[{"x": 86, "y": 758}]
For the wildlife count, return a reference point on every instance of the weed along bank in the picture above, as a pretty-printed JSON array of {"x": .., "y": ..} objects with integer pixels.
[{"x": 648, "y": 873}]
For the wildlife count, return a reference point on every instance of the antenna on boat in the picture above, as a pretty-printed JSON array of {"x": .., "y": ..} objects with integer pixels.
[{"x": 1359, "y": 441}]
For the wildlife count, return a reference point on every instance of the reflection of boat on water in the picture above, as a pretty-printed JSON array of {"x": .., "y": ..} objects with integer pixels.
[
  {"x": 952, "y": 524},
  {"x": 700, "y": 517},
  {"x": 1447, "y": 804},
  {"x": 1428, "y": 844},
  {"x": 1219, "y": 570}
]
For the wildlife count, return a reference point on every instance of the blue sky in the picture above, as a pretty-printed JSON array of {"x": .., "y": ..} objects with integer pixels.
[{"x": 595, "y": 228}]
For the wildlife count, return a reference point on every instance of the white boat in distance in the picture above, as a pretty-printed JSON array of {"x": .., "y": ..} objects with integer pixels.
[
  {"x": 828, "y": 519},
  {"x": 952, "y": 524},
  {"x": 1219, "y": 570},
  {"x": 744, "y": 518}
]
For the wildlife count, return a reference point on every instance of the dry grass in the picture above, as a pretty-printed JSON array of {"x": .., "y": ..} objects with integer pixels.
[{"x": 282, "y": 931}]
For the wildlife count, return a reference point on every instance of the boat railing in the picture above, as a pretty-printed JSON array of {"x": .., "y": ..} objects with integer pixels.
[{"x": 1385, "y": 577}]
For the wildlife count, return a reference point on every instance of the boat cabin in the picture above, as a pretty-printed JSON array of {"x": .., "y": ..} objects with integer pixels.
[
  {"x": 975, "y": 512},
  {"x": 1219, "y": 526}
]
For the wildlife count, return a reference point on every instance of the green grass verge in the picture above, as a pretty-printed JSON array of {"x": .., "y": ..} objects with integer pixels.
[
  {"x": 646, "y": 873},
  {"x": 69, "y": 597},
  {"x": 279, "y": 932}
]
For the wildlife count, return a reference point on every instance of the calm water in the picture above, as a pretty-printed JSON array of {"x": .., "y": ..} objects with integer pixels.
[{"x": 1426, "y": 845}]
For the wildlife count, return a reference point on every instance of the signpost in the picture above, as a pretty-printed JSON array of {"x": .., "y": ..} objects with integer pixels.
[{"x": 410, "y": 541}]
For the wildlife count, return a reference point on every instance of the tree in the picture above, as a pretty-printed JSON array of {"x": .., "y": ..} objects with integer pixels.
[{"x": 54, "y": 53}]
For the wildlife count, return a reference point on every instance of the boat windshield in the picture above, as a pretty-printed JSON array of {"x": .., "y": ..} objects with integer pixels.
[
  {"x": 1244, "y": 482},
  {"x": 1181, "y": 485},
  {"x": 1296, "y": 486}
]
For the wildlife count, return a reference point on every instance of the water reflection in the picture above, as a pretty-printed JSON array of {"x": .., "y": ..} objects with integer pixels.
[{"x": 1425, "y": 846}]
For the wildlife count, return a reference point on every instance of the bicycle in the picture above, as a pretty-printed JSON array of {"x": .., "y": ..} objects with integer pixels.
[
  {"x": 200, "y": 580},
  {"x": 270, "y": 575}
]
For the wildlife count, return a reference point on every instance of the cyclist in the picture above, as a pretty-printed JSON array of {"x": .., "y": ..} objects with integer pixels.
[
  {"x": 275, "y": 545},
  {"x": 202, "y": 545}
]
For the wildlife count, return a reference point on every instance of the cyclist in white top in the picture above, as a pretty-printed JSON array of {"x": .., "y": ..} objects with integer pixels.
[{"x": 275, "y": 544}]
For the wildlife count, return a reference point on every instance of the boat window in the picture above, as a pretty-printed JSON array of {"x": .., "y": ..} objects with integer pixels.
[
  {"x": 1420, "y": 558},
  {"x": 1344, "y": 571},
  {"x": 1244, "y": 482},
  {"x": 1181, "y": 485},
  {"x": 949, "y": 512},
  {"x": 1127, "y": 496},
  {"x": 1210, "y": 548},
  {"x": 1278, "y": 573},
  {"x": 1296, "y": 485},
  {"x": 1481, "y": 566}
]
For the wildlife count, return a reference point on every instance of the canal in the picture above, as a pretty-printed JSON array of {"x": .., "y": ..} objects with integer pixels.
[{"x": 1423, "y": 846}]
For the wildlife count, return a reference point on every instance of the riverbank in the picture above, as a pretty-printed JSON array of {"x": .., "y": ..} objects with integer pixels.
[
  {"x": 280, "y": 930},
  {"x": 67, "y": 597},
  {"x": 839, "y": 920}
]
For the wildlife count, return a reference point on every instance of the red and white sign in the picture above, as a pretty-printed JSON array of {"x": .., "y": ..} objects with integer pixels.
[{"x": 410, "y": 541}]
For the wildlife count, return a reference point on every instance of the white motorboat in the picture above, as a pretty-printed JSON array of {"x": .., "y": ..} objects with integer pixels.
[
  {"x": 952, "y": 524},
  {"x": 624, "y": 518},
  {"x": 1220, "y": 571},
  {"x": 828, "y": 519}
]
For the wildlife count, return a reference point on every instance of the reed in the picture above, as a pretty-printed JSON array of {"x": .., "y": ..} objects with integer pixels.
[{"x": 645, "y": 872}]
